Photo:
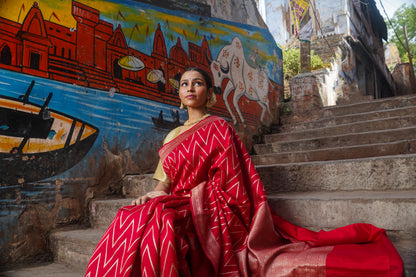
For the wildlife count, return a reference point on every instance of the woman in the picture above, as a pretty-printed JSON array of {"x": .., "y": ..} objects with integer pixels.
[{"x": 209, "y": 215}]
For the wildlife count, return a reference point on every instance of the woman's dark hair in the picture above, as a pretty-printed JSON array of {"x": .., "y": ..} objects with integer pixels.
[{"x": 204, "y": 74}]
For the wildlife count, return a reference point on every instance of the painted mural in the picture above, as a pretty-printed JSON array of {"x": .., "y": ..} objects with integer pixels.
[{"x": 83, "y": 83}]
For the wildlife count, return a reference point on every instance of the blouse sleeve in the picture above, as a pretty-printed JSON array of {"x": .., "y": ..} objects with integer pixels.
[{"x": 159, "y": 174}]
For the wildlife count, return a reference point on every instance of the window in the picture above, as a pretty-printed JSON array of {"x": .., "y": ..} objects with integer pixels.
[
  {"x": 34, "y": 60},
  {"x": 6, "y": 55},
  {"x": 117, "y": 71}
]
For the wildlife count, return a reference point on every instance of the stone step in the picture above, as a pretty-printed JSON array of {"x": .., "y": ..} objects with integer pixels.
[
  {"x": 102, "y": 211},
  {"x": 75, "y": 247},
  {"x": 356, "y": 127},
  {"x": 338, "y": 153},
  {"x": 136, "y": 185},
  {"x": 394, "y": 211},
  {"x": 349, "y": 118},
  {"x": 45, "y": 270},
  {"x": 373, "y": 105},
  {"x": 374, "y": 137},
  {"x": 382, "y": 173},
  {"x": 407, "y": 250}
]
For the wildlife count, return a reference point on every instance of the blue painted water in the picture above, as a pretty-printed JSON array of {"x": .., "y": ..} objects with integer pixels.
[{"x": 124, "y": 122}]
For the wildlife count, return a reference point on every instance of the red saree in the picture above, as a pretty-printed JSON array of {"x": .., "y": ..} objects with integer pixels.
[{"x": 217, "y": 222}]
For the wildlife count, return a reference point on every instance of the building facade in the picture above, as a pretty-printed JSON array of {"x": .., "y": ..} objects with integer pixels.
[{"x": 347, "y": 35}]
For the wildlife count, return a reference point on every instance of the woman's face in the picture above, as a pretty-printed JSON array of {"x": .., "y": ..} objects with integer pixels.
[{"x": 193, "y": 90}]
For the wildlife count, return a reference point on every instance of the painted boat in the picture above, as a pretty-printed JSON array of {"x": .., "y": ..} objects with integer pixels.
[
  {"x": 37, "y": 142},
  {"x": 162, "y": 123}
]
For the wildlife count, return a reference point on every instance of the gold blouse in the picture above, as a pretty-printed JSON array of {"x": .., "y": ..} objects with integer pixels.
[{"x": 159, "y": 174}]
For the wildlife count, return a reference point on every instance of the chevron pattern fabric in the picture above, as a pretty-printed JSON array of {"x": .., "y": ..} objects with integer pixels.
[{"x": 217, "y": 222}]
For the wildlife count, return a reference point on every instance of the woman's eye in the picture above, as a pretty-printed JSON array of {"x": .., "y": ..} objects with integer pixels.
[
  {"x": 184, "y": 84},
  {"x": 198, "y": 84}
]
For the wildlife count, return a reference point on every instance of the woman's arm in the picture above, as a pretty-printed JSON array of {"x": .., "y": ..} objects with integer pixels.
[{"x": 162, "y": 188}]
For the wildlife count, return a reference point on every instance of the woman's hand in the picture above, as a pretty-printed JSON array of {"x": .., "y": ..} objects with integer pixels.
[{"x": 150, "y": 195}]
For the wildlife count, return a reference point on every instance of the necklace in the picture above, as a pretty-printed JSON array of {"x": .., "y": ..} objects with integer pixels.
[{"x": 189, "y": 123}]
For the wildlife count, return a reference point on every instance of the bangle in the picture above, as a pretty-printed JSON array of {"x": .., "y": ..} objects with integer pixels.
[{"x": 156, "y": 193}]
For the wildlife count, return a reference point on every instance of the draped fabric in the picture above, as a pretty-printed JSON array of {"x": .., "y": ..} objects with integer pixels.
[{"x": 217, "y": 222}]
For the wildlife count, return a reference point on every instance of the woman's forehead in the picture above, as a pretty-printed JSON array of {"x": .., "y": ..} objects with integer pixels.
[{"x": 192, "y": 75}]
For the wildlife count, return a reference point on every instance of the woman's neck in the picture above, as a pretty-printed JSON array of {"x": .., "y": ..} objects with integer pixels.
[{"x": 195, "y": 116}]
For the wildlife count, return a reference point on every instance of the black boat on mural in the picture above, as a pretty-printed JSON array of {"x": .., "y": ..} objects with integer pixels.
[
  {"x": 162, "y": 123},
  {"x": 37, "y": 142}
]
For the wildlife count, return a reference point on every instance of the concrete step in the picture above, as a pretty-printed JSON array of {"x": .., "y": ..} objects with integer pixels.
[
  {"x": 394, "y": 211},
  {"x": 45, "y": 270},
  {"x": 407, "y": 250},
  {"x": 136, "y": 185},
  {"x": 75, "y": 247},
  {"x": 349, "y": 118},
  {"x": 373, "y": 105},
  {"x": 374, "y": 137},
  {"x": 382, "y": 173},
  {"x": 356, "y": 127},
  {"x": 338, "y": 153},
  {"x": 102, "y": 211}
]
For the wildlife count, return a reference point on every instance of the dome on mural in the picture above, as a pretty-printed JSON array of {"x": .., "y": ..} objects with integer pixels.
[
  {"x": 131, "y": 63},
  {"x": 178, "y": 54}
]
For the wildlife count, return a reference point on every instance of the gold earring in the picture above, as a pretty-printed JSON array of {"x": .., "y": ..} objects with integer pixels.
[{"x": 182, "y": 106}]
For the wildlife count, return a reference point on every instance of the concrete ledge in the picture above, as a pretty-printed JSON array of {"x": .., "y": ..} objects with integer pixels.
[
  {"x": 75, "y": 247},
  {"x": 394, "y": 211},
  {"x": 103, "y": 211},
  {"x": 137, "y": 185},
  {"x": 339, "y": 153},
  {"x": 356, "y": 127},
  {"x": 48, "y": 270},
  {"x": 349, "y": 118},
  {"x": 373, "y": 105},
  {"x": 383, "y": 173},
  {"x": 376, "y": 137}
]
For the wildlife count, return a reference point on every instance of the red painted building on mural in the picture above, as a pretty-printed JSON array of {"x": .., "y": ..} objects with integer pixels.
[{"x": 88, "y": 56}]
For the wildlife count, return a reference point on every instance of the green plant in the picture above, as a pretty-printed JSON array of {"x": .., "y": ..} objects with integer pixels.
[{"x": 291, "y": 62}]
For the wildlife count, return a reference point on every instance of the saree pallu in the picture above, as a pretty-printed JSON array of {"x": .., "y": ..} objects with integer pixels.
[{"x": 217, "y": 222}]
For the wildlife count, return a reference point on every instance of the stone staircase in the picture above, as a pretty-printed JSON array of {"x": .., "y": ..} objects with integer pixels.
[{"x": 357, "y": 163}]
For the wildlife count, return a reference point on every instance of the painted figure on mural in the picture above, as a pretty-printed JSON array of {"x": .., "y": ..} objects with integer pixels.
[
  {"x": 243, "y": 79},
  {"x": 209, "y": 215}
]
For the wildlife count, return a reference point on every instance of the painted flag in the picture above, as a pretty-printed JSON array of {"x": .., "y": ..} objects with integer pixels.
[
  {"x": 299, "y": 9},
  {"x": 20, "y": 11},
  {"x": 136, "y": 27},
  {"x": 54, "y": 15},
  {"x": 122, "y": 16}
]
